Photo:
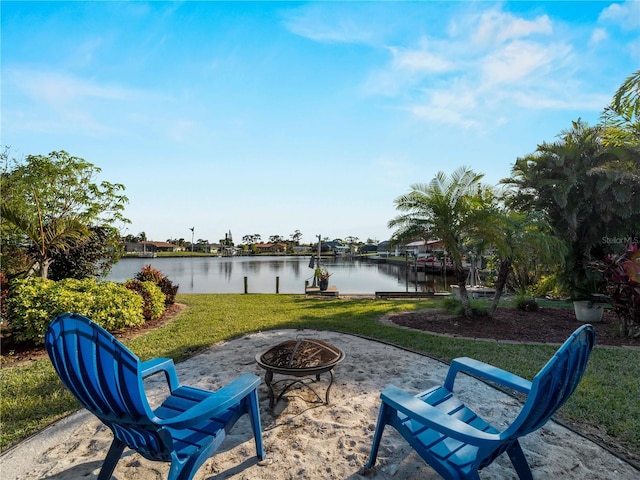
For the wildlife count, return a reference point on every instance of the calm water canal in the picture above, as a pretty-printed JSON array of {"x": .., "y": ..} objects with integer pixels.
[{"x": 226, "y": 274}]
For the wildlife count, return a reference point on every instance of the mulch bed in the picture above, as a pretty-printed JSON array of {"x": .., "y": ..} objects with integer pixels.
[{"x": 547, "y": 325}]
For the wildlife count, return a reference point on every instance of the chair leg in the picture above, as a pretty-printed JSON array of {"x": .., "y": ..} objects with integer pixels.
[
  {"x": 519, "y": 461},
  {"x": 377, "y": 436},
  {"x": 110, "y": 462},
  {"x": 254, "y": 417}
]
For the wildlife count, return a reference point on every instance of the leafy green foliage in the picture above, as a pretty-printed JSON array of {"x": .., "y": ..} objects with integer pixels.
[
  {"x": 526, "y": 303},
  {"x": 153, "y": 299},
  {"x": 621, "y": 272},
  {"x": 590, "y": 192},
  {"x": 66, "y": 186},
  {"x": 322, "y": 274},
  {"x": 453, "y": 306},
  {"x": 88, "y": 258},
  {"x": 35, "y": 301},
  {"x": 53, "y": 201},
  {"x": 149, "y": 274},
  {"x": 45, "y": 236},
  {"x": 527, "y": 246},
  {"x": 622, "y": 117},
  {"x": 457, "y": 209},
  {"x": 4, "y": 296}
]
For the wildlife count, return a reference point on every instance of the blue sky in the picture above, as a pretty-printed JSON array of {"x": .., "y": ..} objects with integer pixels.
[{"x": 272, "y": 117}]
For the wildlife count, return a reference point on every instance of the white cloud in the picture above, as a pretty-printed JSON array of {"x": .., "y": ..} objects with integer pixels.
[
  {"x": 419, "y": 60},
  {"x": 58, "y": 88},
  {"x": 407, "y": 68},
  {"x": 626, "y": 15},
  {"x": 495, "y": 27},
  {"x": 53, "y": 101},
  {"x": 598, "y": 35},
  {"x": 447, "y": 107},
  {"x": 522, "y": 61},
  {"x": 484, "y": 62},
  {"x": 559, "y": 100},
  {"x": 321, "y": 24}
]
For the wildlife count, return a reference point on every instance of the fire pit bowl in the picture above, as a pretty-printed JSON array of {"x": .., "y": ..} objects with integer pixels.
[{"x": 299, "y": 358}]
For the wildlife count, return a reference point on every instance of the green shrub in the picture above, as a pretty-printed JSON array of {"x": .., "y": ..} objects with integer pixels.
[
  {"x": 150, "y": 274},
  {"x": 4, "y": 297},
  {"x": 453, "y": 306},
  {"x": 153, "y": 299},
  {"x": 526, "y": 303},
  {"x": 34, "y": 302},
  {"x": 621, "y": 273}
]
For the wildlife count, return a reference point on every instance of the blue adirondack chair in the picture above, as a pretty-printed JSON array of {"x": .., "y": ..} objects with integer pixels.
[
  {"x": 107, "y": 378},
  {"x": 455, "y": 441}
]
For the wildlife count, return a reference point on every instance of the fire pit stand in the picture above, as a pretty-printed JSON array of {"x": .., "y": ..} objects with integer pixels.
[{"x": 305, "y": 357}]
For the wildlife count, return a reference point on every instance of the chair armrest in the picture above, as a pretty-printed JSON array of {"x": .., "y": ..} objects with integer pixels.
[
  {"x": 219, "y": 401},
  {"x": 487, "y": 372},
  {"x": 436, "y": 419},
  {"x": 156, "y": 365}
]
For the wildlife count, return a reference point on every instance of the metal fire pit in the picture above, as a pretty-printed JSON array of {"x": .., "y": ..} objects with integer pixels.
[{"x": 305, "y": 357}]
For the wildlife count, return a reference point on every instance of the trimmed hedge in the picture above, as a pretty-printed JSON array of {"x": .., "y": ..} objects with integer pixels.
[{"x": 35, "y": 301}]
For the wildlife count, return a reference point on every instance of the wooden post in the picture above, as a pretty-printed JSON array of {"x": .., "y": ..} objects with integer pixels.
[
  {"x": 246, "y": 285},
  {"x": 277, "y": 284}
]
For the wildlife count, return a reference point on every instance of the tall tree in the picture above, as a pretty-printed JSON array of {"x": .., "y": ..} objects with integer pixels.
[
  {"x": 47, "y": 236},
  {"x": 455, "y": 209},
  {"x": 248, "y": 239},
  {"x": 45, "y": 196},
  {"x": 527, "y": 241},
  {"x": 590, "y": 192},
  {"x": 621, "y": 119},
  {"x": 295, "y": 237}
]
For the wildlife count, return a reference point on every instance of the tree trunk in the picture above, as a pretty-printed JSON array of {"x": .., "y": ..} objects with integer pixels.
[
  {"x": 43, "y": 270},
  {"x": 501, "y": 281},
  {"x": 461, "y": 277}
]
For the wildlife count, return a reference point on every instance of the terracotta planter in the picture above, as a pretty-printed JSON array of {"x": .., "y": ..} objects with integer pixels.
[{"x": 588, "y": 311}]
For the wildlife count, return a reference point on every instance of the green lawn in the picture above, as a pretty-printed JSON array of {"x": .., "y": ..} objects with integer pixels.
[{"x": 31, "y": 396}]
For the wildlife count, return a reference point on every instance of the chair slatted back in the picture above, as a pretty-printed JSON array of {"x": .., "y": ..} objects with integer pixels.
[
  {"x": 104, "y": 376},
  {"x": 555, "y": 382}
]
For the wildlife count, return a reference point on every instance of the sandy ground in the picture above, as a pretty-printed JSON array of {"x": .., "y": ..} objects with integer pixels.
[{"x": 304, "y": 438}]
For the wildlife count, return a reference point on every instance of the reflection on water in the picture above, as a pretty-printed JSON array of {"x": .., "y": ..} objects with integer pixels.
[{"x": 227, "y": 274}]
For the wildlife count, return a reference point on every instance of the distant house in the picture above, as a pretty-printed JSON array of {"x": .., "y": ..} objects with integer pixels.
[
  {"x": 163, "y": 246},
  {"x": 422, "y": 248},
  {"x": 151, "y": 247},
  {"x": 271, "y": 247},
  {"x": 208, "y": 247},
  {"x": 383, "y": 248},
  {"x": 414, "y": 248},
  {"x": 336, "y": 247},
  {"x": 368, "y": 248}
]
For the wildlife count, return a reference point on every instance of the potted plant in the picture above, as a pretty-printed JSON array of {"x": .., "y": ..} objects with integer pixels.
[
  {"x": 587, "y": 296},
  {"x": 621, "y": 272},
  {"x": 322, "y": 276},
  {"x": 584, "y": 285}
]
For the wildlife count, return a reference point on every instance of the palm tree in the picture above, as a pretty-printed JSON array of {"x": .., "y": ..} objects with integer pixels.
[
  {"x": 588, "y": 191},
  {"x": 54, "y": 235},
  {"x": 456, "y": 210},
  {"x": 525, "y": 238},
  {"x": 622, "y": 117}
]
